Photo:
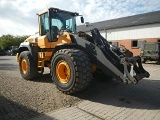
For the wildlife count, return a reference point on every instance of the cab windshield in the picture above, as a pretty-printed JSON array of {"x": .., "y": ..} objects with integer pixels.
[{"x": 64, "y": 21}]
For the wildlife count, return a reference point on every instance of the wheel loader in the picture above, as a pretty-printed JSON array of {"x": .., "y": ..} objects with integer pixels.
[{"x": 73, "y": 57}]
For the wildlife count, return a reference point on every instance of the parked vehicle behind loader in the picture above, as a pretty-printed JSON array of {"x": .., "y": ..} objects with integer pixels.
[
  {"x": 150, "y": 52},
  {"x": 73, "y": 57}
]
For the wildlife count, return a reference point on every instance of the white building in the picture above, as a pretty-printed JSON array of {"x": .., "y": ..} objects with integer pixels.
[{"x": 129, "y": 31}]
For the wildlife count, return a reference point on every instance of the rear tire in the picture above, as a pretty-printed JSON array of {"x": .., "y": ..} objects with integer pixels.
[
  {"x": 28, "y": 66},
  {"x": 71, "y": 70}
]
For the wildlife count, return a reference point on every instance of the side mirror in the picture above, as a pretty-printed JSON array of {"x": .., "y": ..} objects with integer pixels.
[{"x": 82, "y": 20}]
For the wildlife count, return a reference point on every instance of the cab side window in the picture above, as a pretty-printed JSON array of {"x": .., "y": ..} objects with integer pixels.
[{"x": 44, "y": 24}]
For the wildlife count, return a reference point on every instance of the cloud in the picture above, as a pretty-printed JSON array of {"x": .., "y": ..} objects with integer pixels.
[{"x": 18, "y": 17}]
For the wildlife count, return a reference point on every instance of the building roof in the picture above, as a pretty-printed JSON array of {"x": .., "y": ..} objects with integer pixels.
[{"x": 141, "y": 19}]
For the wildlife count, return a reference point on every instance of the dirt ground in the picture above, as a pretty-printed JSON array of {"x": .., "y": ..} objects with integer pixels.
[{"x": 21, "y": 99}]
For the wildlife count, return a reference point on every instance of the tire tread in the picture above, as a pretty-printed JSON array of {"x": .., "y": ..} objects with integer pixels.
[{"x": 82, "y": 67}]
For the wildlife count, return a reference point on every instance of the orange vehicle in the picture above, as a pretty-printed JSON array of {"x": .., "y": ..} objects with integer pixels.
[{"x": 73, "y": 57}]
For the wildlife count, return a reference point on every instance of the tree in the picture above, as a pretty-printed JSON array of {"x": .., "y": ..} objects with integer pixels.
[{"x": 6, "y": 41}]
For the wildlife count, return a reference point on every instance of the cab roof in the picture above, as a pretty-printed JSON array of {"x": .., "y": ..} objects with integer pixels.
[{"x": 56, "y": 9}]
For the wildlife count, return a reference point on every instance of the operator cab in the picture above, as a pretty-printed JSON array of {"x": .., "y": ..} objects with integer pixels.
[{"x": 54, "y": 20}]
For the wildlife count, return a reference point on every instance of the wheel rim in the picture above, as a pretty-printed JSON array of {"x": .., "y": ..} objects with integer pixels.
[
  {"x": 24, "y": 66},
  {"x": 63, "y": 72}
]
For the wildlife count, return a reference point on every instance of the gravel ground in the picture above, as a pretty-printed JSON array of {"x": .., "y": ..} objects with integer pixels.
[{"x": 21, "y": 99}]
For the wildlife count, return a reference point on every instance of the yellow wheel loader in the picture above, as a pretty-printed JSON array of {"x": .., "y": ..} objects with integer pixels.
[{"x": 73, "y": 57}]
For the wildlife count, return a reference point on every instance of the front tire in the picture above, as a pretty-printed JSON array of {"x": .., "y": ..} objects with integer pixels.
[
  {"x": 71, "y": 70},
  {"x": 28, "y": 66}
]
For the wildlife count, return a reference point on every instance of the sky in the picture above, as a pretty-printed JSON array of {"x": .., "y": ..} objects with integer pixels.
[{"x": 18, "y": 17}]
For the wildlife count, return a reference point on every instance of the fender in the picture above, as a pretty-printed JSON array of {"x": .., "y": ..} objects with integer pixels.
[{"x": 32, "y": 47}]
